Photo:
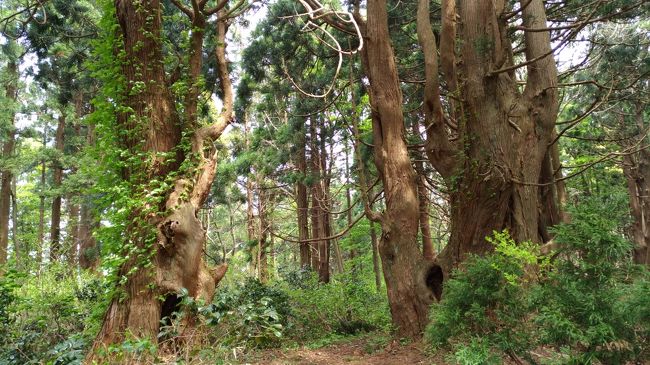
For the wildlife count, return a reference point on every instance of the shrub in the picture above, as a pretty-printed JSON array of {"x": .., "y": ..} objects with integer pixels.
[
  {"x": 486, "y": 299},
  {"x": 349, "y": 304},
  {"x": 45, "y": 313},
  {"x": 255, "y": 315},
  {"x": 590, "y": 302}
]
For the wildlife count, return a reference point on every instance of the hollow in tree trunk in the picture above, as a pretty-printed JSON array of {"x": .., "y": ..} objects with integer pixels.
[{"x": 169, "y": 237}]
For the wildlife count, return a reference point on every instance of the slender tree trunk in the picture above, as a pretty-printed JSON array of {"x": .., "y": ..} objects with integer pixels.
[
  {"x": 11, "y": 92},
  {"x": 637, "y": 173},
  {"x": 428, "y": 251},
  {"x": 41, "y": 206},
  {"x": 250, "y": 214},
  {"x": 376, "y": 268},
  {"x": 326, "y": 217},
  {"x": 57, "y": 178},
  {"x": 88, "y": 223},
  {"x": 316, "y": 202},
  {"x": 302, "y": 203},
  {"x": 72, "y": 227},
  {"x": 88, "y": 255},
  {"x": 348, "y": 196},
  {"x": 262, "y": 211},
  {"x": 404, "y": 267},
  {"x": 319, "y": 208},
  {"x": 18, "y": 250}
]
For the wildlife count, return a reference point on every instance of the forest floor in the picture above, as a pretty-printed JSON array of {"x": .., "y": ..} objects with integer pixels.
[{"x": 356, "y": 352}]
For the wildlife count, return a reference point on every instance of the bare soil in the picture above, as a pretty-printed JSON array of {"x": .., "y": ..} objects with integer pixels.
[{"x": 356, "y": 352}]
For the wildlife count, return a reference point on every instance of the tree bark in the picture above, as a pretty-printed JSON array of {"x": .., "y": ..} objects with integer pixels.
[
  {"x": 319, "y": 207},
  {"x": 302, "y": 203},
  {"x": 88, "y": 222},
  {"x": 57, "y": 179},
  {"x": 11, "y": 92},
  {"x": 41, "y": 206},
  {"x": 404, "y": 267},
  {"x": 428, "y": 251},
  {"x": 263, "y": 239},
  {"x": 174, "y": 260},
  {"x": 376, "y": 265},
  {"x": 18, "y": 250},
  {"x": 636, "y": 167},
  {"x": 73, "y": 232},
  {"x": 504, "y": 132}
]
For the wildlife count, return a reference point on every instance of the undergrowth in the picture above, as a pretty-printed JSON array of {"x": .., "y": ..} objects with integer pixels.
[{"x": 588, "y": 305}]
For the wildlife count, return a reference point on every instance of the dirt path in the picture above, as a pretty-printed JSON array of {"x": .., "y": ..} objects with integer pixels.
[{"x": 350, "y": 353}]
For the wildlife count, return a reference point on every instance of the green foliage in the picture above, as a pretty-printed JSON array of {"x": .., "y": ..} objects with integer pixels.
[
  {"x": 486, "y": 298},
  {"x": 8, "y": 285},
  {"x": 50, "y": 317},
  {"x": 476, "y": 352},
  {"x": 590, "y": 303},
  {"x": 585, "y": 303},
  {"x": 253, "y": 315},
  {"x": 349, "y": 304}
]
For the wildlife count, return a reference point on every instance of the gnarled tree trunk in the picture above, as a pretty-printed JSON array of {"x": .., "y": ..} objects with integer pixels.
[
  {"x": 174, "y": 259},
  {"x": 404, "y": 267},
  {"x": 495, "y": 168}
]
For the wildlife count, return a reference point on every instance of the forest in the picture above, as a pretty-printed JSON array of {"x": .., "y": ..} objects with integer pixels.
[{"x": 324, "y": 182}]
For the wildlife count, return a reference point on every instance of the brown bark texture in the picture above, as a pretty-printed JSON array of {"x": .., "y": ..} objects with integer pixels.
[
  {"x": 501, "y": 151},
  {"x": 404, "y": 267},
  {"x": 174, "y": 260},
  {"x": 302, "y": 203},
  {"x": 88, "y": 222},
  {"x": 57, "y": 179},
  {"x": 11, "y": 92},
  {"x": 636, "y": 167}
]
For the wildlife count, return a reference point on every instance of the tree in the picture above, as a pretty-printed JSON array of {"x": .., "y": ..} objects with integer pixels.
[
  {"x": 170, "y": 178},
  {"x": 11, "y": 77}
]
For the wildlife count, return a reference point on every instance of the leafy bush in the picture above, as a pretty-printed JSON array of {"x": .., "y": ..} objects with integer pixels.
[
  {"x": 589, "y": 304},
  {"x": 349, "y": 304},
  {"x": 49, "y": 316},
  {"x": 486, "y": 299},
  {"x": 255, "y": 315},
  {"x": 8, "y": 286}
]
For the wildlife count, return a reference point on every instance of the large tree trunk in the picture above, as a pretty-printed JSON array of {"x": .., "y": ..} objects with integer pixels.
[
  {"x": 11, "y": 92},
  {"x": 404, "y": 267},
  {"x": 57, "y": 178},
  {"x": 504, "y": 133},
  {"x": 174, "y": 261}
]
